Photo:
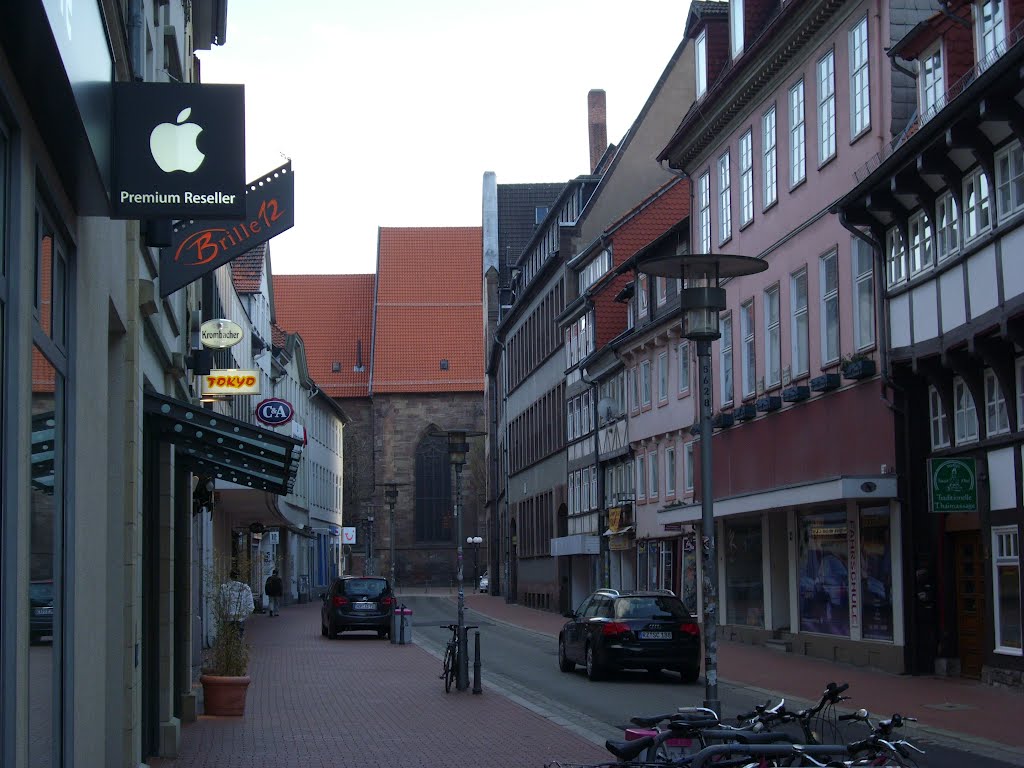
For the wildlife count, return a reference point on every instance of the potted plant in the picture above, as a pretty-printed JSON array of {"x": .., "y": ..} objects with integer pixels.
[
  {"x": 858, "y": 366},
  {"x": 225, "y": 677},
  {"x": 825, "y": 382},
  {"x": 794, "y": 393}
]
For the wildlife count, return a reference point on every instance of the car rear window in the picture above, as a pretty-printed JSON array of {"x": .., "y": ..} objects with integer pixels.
[
  {"x": 365, "y": 587},
  {"x": 653, "y": 607}
]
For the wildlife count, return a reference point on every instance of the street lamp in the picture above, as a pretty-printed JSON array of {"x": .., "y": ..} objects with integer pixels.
[
  {"x": 475, "y": 541},
  {"x": 700, "y": 301},
  {"x": 457, "y": 450},
  {"x": 391, "y": 498}
]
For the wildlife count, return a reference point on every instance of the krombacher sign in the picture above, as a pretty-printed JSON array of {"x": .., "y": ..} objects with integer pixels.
[{"x": 952, "y": 485}]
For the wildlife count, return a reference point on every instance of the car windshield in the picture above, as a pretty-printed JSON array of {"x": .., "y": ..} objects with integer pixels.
[
  {"x": 650, "y": 607},
  {"x": 365, "y": 587},
  {"x": 41, "y": 593}
]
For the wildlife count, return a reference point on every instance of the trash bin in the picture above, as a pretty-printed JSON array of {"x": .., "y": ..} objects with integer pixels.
[{"x": 401, "y": 626}]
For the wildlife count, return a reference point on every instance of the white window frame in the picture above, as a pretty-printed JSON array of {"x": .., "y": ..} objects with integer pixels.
[
  {"x": 862, "y": 264},
  {"x": 670, "y": 471},
  {"x": 991, "y": 29},
  {"x": 654, "y": 485},
  {"x": 724, "y": 198},
  {"x": 725, "y": 363},
  {"x": 660, "y": 290},
  {"x": 736, "y": 27},
  {"x": 826, "y": 107},
  {"x": 797, "y": 135},
  {"x": 748, "y": 354},
  {"x": 1020, "y": 392},
  {"x": 645, "y": 383},
  {"x": 683, "y": 367},
  {"x": 830, "y": 340},
  {"x": 800, "y": 353},
  {"x": 1009, "y": 181},
  {"x": 570, "y": 420},
  {"x": 772, "y": 337},
  {"x": 931, "y": 81},
  {"x": 997, "y": 421},
  {"x": 746, "y": 171},
  {"x": 641, "y": 470},
  {"x": 770, "y": 156},
  {"x": 937, "y": 419},
  {"x": 634, "y": 388},
  {"x": 977, "y": 208},
  {"x": 1005, "y": 554},
  {"x": 947, "y": 227},
  {"x": 663, "y": 377},
  {"x": 965, "y": 413},
  {"x": 700, "y": 55},
  {"x": 688, "y": 467},
  {"x": 704, "y": 211},
  {"x": 919, "y": 231},
  {"x": 641, "y": 295},
  {"x": 860, "y": 79},
  {"x": 895, "y": 257}
]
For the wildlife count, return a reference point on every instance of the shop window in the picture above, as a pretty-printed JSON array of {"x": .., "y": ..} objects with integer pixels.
[
  {"x": 744, "y": 577},
  {"x": 824, "y": 588},
  {"x": 876, "y": 574},
  {"x": 1006, "y": 578}
]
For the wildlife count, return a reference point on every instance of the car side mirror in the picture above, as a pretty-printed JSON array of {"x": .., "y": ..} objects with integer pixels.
[
  {"x": 323, "y": 596},
  {"x": 569, "y": 614}
]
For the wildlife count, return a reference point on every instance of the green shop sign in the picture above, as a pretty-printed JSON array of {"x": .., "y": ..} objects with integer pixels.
[{"x": 953, "y": 485}]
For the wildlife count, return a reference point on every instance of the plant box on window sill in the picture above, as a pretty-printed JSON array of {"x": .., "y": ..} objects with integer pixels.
[
  {"x": 825, "y": 382},
  {"x": 859, "y": 369},
  {"x": 746, "y": 412},
  {"x": 722, "y": 419},
  {"x": 795, "y": 393},
  {"x": 767, "y": 403}
]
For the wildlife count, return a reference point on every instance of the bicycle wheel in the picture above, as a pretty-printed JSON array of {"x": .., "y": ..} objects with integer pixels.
[{"x": 449, "y": 666}]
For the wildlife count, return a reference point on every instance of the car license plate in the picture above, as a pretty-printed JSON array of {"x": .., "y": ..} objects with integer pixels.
[
  {"x": 655, "y": 635},
  {"x": 364, "y": 606}
]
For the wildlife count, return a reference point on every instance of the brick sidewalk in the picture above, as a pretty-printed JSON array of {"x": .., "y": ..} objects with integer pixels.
[{"x": 360, "y": 701}]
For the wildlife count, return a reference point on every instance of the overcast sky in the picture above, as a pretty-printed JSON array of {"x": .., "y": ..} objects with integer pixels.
[{"x": 392, "y": 110}]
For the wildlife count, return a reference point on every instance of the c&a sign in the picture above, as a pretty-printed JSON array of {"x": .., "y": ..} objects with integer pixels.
[
  {"x": 274, "y": 411},
  {"x": 231, "y": 381}
]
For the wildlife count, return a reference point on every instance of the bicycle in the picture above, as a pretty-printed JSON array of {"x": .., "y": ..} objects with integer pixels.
[{"x": 450, "y": 667}]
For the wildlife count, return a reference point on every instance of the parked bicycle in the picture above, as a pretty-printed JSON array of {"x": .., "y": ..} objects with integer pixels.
[{"x": 450, "y": 669}]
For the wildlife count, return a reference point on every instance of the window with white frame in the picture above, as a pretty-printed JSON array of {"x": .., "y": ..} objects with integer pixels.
[
  {"x": 829, "y": 270},
  {"x": 748, "y": 358},
  {"x": 653, "y": 487},
  {"x": 1006, "y": 588},
  {"x": 570, "y": 420},
  {"x": 863, "y": 295},
  {"x": 965, "y": 417},
  {"x": 724, "y": 199},
  {"x": 725, "y": 325},
  {"x": 772, "y": 337},
  {"x": 641, "y": 295},
  {"x": 641, "y": 477},
  {"x": 684, "y": 367},
  {"x": 704, "y": 210},
  {"x": 594, "y": 501},
  {"x": 798, "y": 310},
  {"x": 895, "y": 257},
  {"x": 977, "y": 210},
  {"x": 1009, "y": 181},
  {"x": 670, "y": 471},
  {"x": 663, "y": 377},
  {"x": 947, "y": 227},
  {"x": 919, "y": 230},
  {"x": 700, "y": 56},
  {"x": 1020, "y": 393},
  {"x": 688, "y": 467},
  {"x": 746, "y": 163},
  {"x": 593, "y": 271},
  {"x": 991, "y": 30},
  {"x": 771, "y": 160},
  {"x": 645, "y": 382},
  {"x": 660, "y": 290},
  {"x": 634, "y": 389},
  {"x": 937, "y": 416},
  {"x": 736, "y": 27},
  {"x": 860, "y": 89},
  {"x": 996, "y": 420},
  {"x": 797, "y": 148},
  {"x": 826, "y": 107},
  {"x": 931, "y": 81}
]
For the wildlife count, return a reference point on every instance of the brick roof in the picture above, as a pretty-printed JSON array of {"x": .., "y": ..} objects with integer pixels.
[
  {"x": 334, "y": 316},
  {"x": 247, "y": 269},
  {"x": 429, "y": 310},
  {"x": 278, "y": 336}
]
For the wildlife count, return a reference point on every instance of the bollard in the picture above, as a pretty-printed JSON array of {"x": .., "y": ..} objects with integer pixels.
[{"x": 476, "y": 664}]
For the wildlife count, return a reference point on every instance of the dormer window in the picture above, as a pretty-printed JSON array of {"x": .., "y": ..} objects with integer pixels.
[
  {"x": 736, "y": 27},
  {"x": 991, "y": 22},
  {"x": 931, "y": 82},
  {"x": 700, "y": 55}
]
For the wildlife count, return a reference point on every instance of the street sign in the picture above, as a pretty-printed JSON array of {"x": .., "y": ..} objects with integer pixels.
[
  {"x": 952, "y": 485},
  {"x": 348, "y": 535}
]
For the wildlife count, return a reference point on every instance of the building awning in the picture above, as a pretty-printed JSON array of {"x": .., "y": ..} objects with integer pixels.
[
  {"x": 245, "y": 506},
  {"x": 576, "y": 544},
  {"x": 620, "y": 532},
  {"x": 223, "y": 447}
]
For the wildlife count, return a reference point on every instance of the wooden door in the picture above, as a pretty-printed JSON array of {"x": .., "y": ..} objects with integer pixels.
[{"x": 970, "y": 602}]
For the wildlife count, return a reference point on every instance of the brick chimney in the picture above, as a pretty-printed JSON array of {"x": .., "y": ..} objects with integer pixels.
[{"x": 597, "y": 123}]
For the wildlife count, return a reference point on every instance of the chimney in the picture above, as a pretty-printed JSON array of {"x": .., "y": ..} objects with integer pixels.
[{"x": 597, "y": 123}]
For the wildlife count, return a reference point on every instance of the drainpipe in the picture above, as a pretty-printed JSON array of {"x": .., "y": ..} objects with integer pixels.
[{"x": 603, "y": 554}]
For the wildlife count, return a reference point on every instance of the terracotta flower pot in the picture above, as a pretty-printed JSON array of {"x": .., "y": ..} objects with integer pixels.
[{"x": 224, "y": 695}]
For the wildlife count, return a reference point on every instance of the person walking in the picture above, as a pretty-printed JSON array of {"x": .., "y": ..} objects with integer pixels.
[
  {"x": 274, "y": 589},
  {"x": 236, "y": 597}
]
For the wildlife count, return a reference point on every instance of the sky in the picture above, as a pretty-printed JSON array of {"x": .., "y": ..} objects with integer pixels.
[{"x": 392, "y": 110}]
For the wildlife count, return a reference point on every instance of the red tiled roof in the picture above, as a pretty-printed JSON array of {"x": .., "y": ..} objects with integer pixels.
[
  {"x": 429, "y": 310},
  {"x": 247, "y": 269},
  {"x": 278, "y": 336},
  {"x": 334, "y": 316}
]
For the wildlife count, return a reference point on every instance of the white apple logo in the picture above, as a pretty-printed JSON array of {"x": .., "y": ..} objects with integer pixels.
[{"x": 174, "y": 146}]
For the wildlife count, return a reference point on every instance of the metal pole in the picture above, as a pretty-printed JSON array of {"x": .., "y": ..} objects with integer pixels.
[
  {"x": 391, "y": 536},
  {"x": 710, "y": 580},
  {"x": 462, "y": 673},
  {"x": 477, "y": 688}
]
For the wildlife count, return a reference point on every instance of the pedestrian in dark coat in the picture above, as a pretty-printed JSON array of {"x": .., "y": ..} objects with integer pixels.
[{"x": 274, "y": 589}]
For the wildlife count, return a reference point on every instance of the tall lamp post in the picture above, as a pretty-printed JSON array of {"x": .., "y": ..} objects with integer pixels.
[
  {"x": 391, "y": 498},
  {"x": 475, "y": 542},
  {"x": 457, "y": 450},
  {"x": 700, "y": 301}
]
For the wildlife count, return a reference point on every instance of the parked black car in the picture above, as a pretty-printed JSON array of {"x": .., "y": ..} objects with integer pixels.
[
  {"x": 357, "y": 602},
  {"x": 41, "y": 610},
  {"x": 650, "y": 630}
]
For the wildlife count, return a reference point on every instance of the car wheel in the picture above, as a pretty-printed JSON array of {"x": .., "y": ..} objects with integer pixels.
[
  {"x": 564, "y": 662},
  {"x": 382, "y": 633},
  {"x": 323, "y": 628},
  {"x": 593, "y": 669},
  {"x": 689, "y": 674}
]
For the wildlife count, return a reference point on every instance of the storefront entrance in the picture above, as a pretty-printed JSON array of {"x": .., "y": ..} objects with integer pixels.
[{"x": 970, "y": 601}]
